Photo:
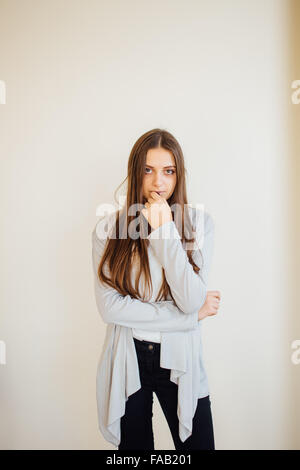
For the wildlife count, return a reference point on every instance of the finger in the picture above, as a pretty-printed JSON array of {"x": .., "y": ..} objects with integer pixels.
[
  {"x": 214, "y": 297},
  {"x": 151, "y": 200},
  {"x": 215, "y": 293},
  {"x": 157, "y": 197},
  {"x": 154, "y": 203}
]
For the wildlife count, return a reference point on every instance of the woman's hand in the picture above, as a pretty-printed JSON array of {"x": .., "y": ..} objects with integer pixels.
[
  {"x": 157, "y": 211},
  {"x": 211, "y": 304}
]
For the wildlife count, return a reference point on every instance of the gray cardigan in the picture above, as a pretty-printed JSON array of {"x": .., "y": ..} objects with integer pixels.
[{"x": 181, "y": 346}]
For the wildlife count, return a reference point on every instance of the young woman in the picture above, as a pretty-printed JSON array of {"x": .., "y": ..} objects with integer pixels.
[{"x": 160, "y": 244}]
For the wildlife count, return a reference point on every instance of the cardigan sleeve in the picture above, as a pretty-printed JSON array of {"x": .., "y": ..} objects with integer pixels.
[
  {"x": 113, "y": 307},
  {"x": 188, "y": 288}
]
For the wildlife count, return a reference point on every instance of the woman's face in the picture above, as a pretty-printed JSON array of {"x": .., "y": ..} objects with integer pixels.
[{"x": 160, "y": 173}]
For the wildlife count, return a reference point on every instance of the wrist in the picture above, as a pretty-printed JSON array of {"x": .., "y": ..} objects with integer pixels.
[{"x": 202, "y": 313}]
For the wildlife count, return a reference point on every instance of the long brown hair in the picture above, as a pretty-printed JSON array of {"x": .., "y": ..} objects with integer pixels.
[{"x": 119, "y": 253}]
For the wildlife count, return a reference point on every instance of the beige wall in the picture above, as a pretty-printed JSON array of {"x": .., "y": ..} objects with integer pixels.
[
  {"x": 84, "y": 80},
  {"x": 294, "y": 192}
]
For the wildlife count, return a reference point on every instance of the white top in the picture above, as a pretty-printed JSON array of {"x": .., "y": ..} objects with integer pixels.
[{"x": 176, "y": 327}]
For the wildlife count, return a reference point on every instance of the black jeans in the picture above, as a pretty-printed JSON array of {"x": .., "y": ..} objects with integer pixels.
[{"x": 136, "y": 423}]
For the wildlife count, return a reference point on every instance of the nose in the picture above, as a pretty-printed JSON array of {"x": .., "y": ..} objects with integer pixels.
[{"x": 157, "y": 180}]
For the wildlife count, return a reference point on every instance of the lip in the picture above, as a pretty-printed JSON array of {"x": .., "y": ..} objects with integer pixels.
[{"x": 159, "y": 192}]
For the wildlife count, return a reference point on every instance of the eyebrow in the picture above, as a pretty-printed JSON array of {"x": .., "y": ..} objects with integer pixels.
[{"x": 168, "y": 166}]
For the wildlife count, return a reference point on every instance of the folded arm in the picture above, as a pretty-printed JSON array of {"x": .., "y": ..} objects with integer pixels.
[
  {"x": 188, "y": 288},
  {"x": 115, "y": 308}
]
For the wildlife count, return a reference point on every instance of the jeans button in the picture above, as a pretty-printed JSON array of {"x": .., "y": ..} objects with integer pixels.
[{"x": 150, "y": 346}]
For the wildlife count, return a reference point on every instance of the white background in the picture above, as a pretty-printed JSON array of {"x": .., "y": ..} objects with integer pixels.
[{"x": 84, "y": 79}]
